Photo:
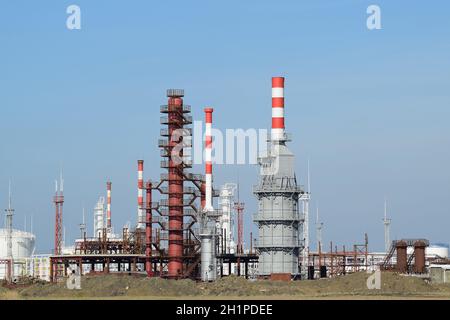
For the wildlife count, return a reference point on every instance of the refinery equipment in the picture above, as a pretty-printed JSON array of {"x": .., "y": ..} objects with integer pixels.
[
  {"x": 108, "y": 207},
  {"x": 209, "y": 216},
  {"x": 15, "y": 246},
  {"x": 58, "y": 200},
  {"x": 9, "y": 226},
  {"x": 387, "y": 226},
  {"x": 179, "y": 233},
  {"x": 179, "y": 212},
  {"x": 99, "y": 217},
  {"x": 226, "y": 223},
  {"x": 280, "y": 222},
  {"x": 140, "y": 208},
  {"x": 83, "y": 226},
  {"x": 22, "y": 247},
  {"x": 226, "y": 220},
  {"x": 319, "y": 228},
  {"x": 304, "y": 199},
  {"x": 167, "y": 243}
]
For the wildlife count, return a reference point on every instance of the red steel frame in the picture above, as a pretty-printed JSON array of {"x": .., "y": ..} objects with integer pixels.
[
  {"x": 176, "y": 184},
  {"x": 58, "y": 200},
  {"x": 182, "y": 251}
]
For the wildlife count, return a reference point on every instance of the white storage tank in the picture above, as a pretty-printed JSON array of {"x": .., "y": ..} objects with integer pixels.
[
  {"x": 437, "y": 251},
  {"x": 23, "y": 244}
]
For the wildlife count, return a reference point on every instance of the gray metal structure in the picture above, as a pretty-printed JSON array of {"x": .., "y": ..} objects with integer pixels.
[
  {"x": 208, "y": 238},
  {"x": 279, "y": 218}
]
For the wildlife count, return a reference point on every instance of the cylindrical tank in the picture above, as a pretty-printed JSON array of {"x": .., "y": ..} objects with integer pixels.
[
  {"x": 22, "y": 244},
  {"x": 208, "y": 267},
  {"x": 419, "y": 253},
  {"x": 402, "y": 257},
  {"x": 99, "y": 217},
  {"x": 175, "y": 186},
  {"x": 436, "y": 251},
  {"x": 281, "y": 238}
]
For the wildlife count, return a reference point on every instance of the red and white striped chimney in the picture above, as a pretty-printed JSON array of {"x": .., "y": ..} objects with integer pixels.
[
  {"x": 140, "y": 218},
  {"x": 208, "y": 158},
  {"x": 108, "y": 205},
  {"x": 278, "y": 109}
]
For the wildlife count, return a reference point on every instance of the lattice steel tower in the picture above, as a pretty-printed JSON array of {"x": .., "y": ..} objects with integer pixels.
[{"x": 58, "y": 200}]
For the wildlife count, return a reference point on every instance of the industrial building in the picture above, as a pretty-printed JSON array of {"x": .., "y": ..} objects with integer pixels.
[{"x": 186, "y": 228}]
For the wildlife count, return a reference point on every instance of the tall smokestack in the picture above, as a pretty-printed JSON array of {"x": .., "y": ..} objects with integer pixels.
[
  {"x": 208, "y": 158},
  {"x": 278, "y": 109},
  {"x": 140, "y": 218},
  {"x": 108, "y": 205}
]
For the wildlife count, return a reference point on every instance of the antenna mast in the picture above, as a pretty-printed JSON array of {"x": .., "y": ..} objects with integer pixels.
[
  {"x": 305, "y": 199},
  {"x": 319, "y": 226},
  {"x": 9, "y": 229},
  {"x": 58, "y": 200},
  {"x": 387, "y": 225},
  {"x": 83, "y": 226}
]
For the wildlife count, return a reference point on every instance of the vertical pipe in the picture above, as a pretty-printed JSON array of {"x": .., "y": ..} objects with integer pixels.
[
  {"x": 208, "y": 157},
  {"x": 331, "y": 259},
  {"x": 108, "y": 205},
  {"x": 148, "y": 230},
  {"x": 240, "y": 212},
  {"x": 224, "y": 239},
  {"x": 419, "y": 260},
  {"x": 402, "y": 256},
  {"x": 345, "y": 260},
  {"x": 140, "y": 218},
  {"x": 278, "y": 109}
]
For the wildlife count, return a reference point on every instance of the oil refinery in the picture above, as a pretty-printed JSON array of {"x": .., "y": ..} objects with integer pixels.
[{"x": 188, "y": 227}]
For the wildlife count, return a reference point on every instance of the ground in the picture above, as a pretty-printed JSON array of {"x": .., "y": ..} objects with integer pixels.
[{"x": 394, "y": 286}]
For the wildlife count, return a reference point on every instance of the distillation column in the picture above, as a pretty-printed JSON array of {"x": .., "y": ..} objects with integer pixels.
[
  {"x": 226, "y": 220},
  {"x": 99, "y": 218},
  {"x": 278, "y": 218}
]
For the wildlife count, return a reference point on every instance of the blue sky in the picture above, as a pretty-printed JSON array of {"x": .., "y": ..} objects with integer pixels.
[{"x": 369, "y": 108}]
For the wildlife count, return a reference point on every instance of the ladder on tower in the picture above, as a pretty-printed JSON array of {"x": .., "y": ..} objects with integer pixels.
[
  {"x": 410, "y": 261},
  {"x": 388, "y": 258}
]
